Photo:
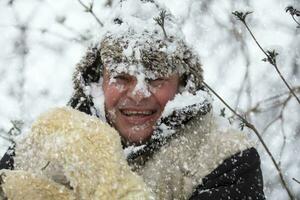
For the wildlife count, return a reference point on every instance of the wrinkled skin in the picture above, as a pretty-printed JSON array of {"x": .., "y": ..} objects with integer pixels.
[{"x": 133, "y": 106}]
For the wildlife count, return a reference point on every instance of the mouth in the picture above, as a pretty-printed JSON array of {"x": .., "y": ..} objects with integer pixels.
[
  {"x": 136, "y": 117},
  {"x": 137, "y": 113}
]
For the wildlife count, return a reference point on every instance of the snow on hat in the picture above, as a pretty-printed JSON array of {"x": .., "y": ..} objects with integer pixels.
[
  {"x": 139, "y": 36},
  {"x": 145, "y": 35}
]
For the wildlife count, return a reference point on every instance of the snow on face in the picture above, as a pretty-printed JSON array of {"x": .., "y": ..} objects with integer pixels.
[
  {"x": 132, "y": 72},
  {"x": 141, "y": 85},
  {"x": 134, "y": 110}
]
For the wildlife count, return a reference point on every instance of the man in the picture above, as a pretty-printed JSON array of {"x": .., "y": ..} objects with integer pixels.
[{"x": 146, "y": 82}]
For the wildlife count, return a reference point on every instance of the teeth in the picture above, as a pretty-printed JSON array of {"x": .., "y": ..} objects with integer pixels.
[{"x": 127, "y": 112}]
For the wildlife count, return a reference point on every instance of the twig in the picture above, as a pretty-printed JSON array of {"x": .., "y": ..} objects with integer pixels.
[
  {"x": 90, "y": 10},
  {"x": 10, "y": 2},
  {"x": 296, "y": 180},
  {"x": 246, "y": 82},
  {"x": 296, "y": 20},
  {"x": 6, "y": 138},
  {"x": 45, "y": 31},
  {"x": 270, "y": 124},
  {"x": 109, "y": 3},
  {"x": 47, "y": 164},
  {"x": 72, "y": 30},
  {"x": 160, "y": 20},
  {"x": 257, "y": 107},
  {"x": 293, "y": 12},
  {"x": 270, "y": 55},
  {"x": 282, "y": 127},
  {"x": 280, "y": 116},
  {"x": 295, "y": 89},
  {"x": 253, "y": 128},
  {"x": 243, "y": 85},
  {"x": 22, "y": 48},
  {"x": 284, "y": 141}
]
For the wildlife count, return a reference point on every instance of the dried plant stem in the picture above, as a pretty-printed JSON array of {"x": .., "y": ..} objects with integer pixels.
[
  {"x": 284, "y": 141},
  {"x": 271, "y": 61},
  {"x": 295, "y": 89},
  {"x": 109, "y": 3},
  {"x": 47, "y": 164},
  {"x": 47, "y": 32},
  {"x": 270, "y": 124},
  {"x": 295, "y": 20},
  {"x": 293, "y": 12},
  {"x": 280, "y": 116},
  {"x": 7, "y": 138},
  {"x": 257, "y": 107},
  {"x": 253, "y": 128},
  {"x": 160, "y": 20},
  {"x": 75, "y": 32},
  {"x": 90, "y": 10},
  {"x": 296, "y": 180}
]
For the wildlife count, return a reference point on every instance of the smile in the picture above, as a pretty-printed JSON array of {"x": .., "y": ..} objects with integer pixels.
[
  {"x": 138, "y": 117},
  {"x": 137, "y": 113}
]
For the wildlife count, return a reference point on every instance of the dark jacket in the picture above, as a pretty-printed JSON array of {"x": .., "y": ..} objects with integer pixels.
[{"x": 238, "y": 177}]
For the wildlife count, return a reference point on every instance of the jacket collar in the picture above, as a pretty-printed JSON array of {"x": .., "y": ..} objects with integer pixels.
[
  {"x": 178, "y": 167},
  {"x": 174, "y": 118}
]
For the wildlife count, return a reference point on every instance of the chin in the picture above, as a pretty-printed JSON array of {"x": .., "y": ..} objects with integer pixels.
[{"x": 137, "y": 137}]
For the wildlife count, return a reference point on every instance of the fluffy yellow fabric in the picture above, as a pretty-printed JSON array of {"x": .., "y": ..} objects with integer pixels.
[
  {"x": 78, "y": 151},
  {"x": 21, "y": 185}
]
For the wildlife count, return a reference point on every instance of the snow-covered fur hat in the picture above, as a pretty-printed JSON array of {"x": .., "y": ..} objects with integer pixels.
[{"x": 140, "y": 36}]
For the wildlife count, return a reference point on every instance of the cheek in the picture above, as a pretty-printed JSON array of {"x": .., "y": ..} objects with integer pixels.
[
  {"x": 165, "y": 93},
  {"x": 112, "y": 94}
]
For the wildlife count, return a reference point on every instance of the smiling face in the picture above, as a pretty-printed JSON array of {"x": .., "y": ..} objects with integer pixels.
[{"x": 133, "y": 104}]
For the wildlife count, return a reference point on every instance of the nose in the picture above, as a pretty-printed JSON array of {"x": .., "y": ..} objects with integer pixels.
[{"x": 138, "y": 92}]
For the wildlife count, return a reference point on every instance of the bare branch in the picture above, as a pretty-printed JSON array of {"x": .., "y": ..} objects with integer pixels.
[
  {"x": 296, "y": 180},
  {"x": 47, "y": 164},
  {"x": 293, "y": 12},
  {"x": 270, "y": 124},
  {"x": 276, "y": 101},
  {"x": 270, "y": 55},
  {"x": 253, "y": 128},
  {"x": 160, "y": 20},
  {"x": 284, "y": 141},
  {"x": 109, "y": 3},
  {"x": 10, "y": 2},
  {"x": 75, "y": 32},
  {"x": 46, "y": 31},
  {"x": 90, "y": 10}
]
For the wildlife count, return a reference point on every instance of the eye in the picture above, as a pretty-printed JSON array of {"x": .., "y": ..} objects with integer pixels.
[
  {"x": 121, "y": 79},
  {"x": 156, "y": 82}
]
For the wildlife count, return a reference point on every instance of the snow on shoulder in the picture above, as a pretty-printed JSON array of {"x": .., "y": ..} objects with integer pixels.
[{"x": 187, "y": 99}]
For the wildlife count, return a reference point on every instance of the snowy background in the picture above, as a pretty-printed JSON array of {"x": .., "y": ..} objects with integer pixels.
[{"x": 42, "y": 40}]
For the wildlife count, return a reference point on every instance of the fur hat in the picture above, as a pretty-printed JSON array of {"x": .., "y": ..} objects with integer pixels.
[{"x": 140, "y": 36}]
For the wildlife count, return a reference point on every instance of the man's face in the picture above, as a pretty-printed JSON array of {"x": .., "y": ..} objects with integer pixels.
[{"x": 133, "y": 105}]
